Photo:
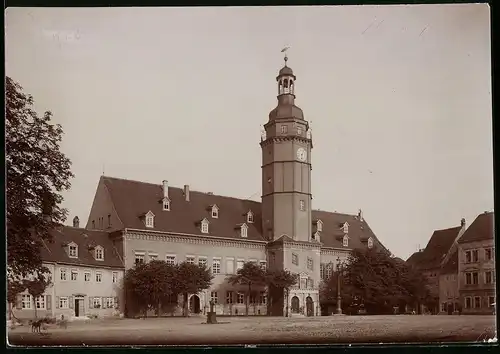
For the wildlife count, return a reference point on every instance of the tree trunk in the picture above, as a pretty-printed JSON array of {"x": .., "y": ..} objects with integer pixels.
[
  {"x": 34, "y": 306},
  {"x": 286, "y": 301},
  {"x": 158, "y": 308},
  {"x": 185, "y": 305},
  {"x": 248, "y": 299}
]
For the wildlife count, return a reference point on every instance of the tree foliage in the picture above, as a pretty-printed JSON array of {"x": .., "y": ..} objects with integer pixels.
[
  {"x": 281, "y": 281},
  {"x": 37, "y": 173},
  {"x": 251, "y": 274},
  {"x": 190, "y": 279},
  {"x": 153, "y": 285},
  {"x": 14, "y": 288},
  {"x": 36, "y": 287},
  {"x": 377, "y": 281}
]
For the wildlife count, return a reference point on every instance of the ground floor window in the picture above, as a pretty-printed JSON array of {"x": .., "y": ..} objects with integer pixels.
[
  {"x": 63, "y": 302},
  {"x": 229, "y": 297},
  {"x": 40, "y": 302},
  {"x": 213, "y": 296},
  {"x": 96, "y": 302},
  {"x": 26, "y": 302},
  {"x": 477, "y": 302},
  {"x": 491, "y": 301},
  {"x": 262, "y": 298},
  {"x": 443, "y": 307},
  {"x": 241, "y": 298},
  {"x": 468, "y": 302},
  {"x": 110, "y": 302}
]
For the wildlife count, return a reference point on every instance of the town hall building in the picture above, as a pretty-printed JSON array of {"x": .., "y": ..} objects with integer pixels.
[{"x": 157, "y": 221}]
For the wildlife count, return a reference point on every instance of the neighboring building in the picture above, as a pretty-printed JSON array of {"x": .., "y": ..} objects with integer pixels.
[
  {"x": 152, "y": 221},
  {"x": 449, "y": 296},
  {"x": 430, "y": 261},
  {"x": 86, "y": 270},
  {"x": 476, "y": 266}
]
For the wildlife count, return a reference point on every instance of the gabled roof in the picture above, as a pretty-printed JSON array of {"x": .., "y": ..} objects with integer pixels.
[
  {"x": 481, "y": 229},
  {"x": 436, "y": 250},
  {"x": 132, "y": 197},
  {"x": 85, "y": 239}
]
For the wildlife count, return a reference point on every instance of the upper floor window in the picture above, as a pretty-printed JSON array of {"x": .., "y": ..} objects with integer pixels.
[
  {"x": 468, "y": 256},
  {"x": 170, "y": 259},
  {"x": 244, "y": 230},
  {"x": 471, "y": 278},
  {"x": 489, "y": 254},
  {"x": 115, "y": 277},
  {"x": 475, "y": 255},
  {"x": 139, "y": 258},
  {"x": 295, "y": 258},
  {"x": 284, "y": 129},
  {"x": 239, "y": 264},
  {"x": 98, "y": 277},
  {"x": 250, "y": 217},
  {"x": 166, "y": 204},
  {"x": 345, "y": 241},
  {"x": 190, "y": 259},
  {"x": 204, "y": 226},
  {"x": 74, "y": 274},
  {"x": 302, "y": 205},
  {"x": 310, "y": 263},
  {"x": 216, "y": 266},
  {"x": 263, "y": 265},
  {"x": 150, "y": 219},
  {"x": 63, "y": 273},
  {"x": 202, "y": 261},
  {"x": 319, "y": 226},
  {"x": 489, "y": 277},
  {"x": 73, "y": 250},
  {"x": 99, "y": 253},
  {"x": 152, "y": 256},
  {"x": 471, "y": 256},
  {"x": 86, "y": 276},
  {"x": 215, "y": 212},
  {"x": 370, "y": 242}
]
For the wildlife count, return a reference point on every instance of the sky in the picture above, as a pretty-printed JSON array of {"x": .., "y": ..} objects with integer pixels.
[{"x": 399, "y": 100}]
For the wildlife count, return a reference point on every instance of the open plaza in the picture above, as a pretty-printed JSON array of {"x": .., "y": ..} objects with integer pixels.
[{"x": 262, "y": 330}]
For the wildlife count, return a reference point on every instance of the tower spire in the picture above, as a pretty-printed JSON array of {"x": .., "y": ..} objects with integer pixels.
[{"x": 284, "y": 50}]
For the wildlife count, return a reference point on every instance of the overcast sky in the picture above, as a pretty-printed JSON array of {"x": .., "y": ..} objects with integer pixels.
[{"x": 399, "y": 99}]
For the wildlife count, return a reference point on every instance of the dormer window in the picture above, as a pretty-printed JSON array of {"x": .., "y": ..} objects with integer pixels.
[
  {"x": 244, "y": 230},
  {"x": 150, "y": 219},
  {"x": 215, "y": 212},
  {"x": 370, "y": 243},
  {"x": 99, "y": 253},
  {"x": 345, "y": 241},
  {"x": 73, "y": 250},
  {"x": 250, "y": 217},
  {"x": 204, "y": 226},
  {"x": 319, "y": 226},
  {"x": 315, "y": 236},
  {"x": 345, "y": 228},
  {"x": 166, "y": 204}
]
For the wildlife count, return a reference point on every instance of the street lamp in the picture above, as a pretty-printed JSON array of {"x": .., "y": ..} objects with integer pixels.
[{"x": 339, "y": 298}]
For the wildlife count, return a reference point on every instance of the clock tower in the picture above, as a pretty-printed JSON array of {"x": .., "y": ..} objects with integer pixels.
[{"x": 286, "y": 166}]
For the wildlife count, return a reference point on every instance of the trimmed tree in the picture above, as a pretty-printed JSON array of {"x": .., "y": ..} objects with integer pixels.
[
  {"x": 14, "y": 288},
  {"x": 147, "y": 286},
  {"x": 190, "y": 279},
  {"x": 36, "y": 287},
  {"x": 251, "y": 274},
  {"x": 37, "y": 172},
  {"x": 281, "y": 281}
]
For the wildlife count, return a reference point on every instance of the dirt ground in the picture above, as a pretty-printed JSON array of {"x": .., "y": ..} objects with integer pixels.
[{"x": 264, "y": 330}]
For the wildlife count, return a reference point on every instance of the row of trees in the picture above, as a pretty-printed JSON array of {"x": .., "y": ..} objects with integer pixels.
[
  {"x": 377, "y": 281},
  {"x": 156, "y": 285}
]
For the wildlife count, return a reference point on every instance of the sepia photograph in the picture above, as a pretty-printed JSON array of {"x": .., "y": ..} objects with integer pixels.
[{"x": 250, "y": 176}]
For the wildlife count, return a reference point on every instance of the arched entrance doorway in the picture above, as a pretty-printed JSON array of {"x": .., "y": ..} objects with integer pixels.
[
  {"x": 295, "y": 304},
  {"x": 194, "y": 304},
  {"x": 309, "y": 306}
]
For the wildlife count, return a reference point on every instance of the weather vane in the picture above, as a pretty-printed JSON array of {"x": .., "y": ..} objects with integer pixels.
[{"x": 284, "y": 50}]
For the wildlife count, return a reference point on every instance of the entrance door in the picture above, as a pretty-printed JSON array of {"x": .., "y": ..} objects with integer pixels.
[
  {"x": 194, "y": 304},
  {"x": 309, "y": 306},
  {"x": 295, "y": 304},
  {"x": 450, "y": 308},
  {"x": 77, "y": 307}
]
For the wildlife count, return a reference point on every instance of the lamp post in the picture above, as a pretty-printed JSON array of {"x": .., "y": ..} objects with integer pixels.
[{"x": 339, "y": 298}]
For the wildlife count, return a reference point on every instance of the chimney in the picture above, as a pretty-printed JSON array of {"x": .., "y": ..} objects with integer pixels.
[
  {"x": 186, "y": 192},
  {"x": 165, "y": 189},
  {"x": 360, "y": 215},
  {"x": 76, "y": 222},
  {"x": 462, "y": 222}
]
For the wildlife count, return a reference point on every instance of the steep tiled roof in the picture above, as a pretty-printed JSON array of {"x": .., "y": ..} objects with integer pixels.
[
  {"x": 451, "y": 266},
  {"x": 133, "y": 198},
  {"x": 415, "y": 258},
  {"x": 481, "y": 229},
  {"x": 55, "y": 250},
  {"x": 436, "y": 249}
]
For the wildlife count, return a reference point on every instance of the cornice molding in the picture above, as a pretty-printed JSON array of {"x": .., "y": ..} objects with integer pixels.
[
  {"x": 83, "y": 265},
  {"x": 132, "y": 234},
  {"x": 285, "y": 138}
]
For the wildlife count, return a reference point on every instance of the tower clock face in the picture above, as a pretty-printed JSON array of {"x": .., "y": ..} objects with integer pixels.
[{"x": 301, "y": 154}]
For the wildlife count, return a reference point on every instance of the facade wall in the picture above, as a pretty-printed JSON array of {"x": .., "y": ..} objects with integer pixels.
[
  {"x": 477, "y": 296},
  {"x": 449, "y": 295},
  {"x": 227, "y": 252},
  {"x": 61, "y": 295}
]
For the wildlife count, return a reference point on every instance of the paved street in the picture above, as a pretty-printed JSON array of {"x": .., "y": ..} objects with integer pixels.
[{"x": 265, "y": 330}]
